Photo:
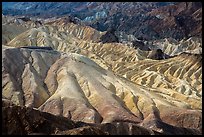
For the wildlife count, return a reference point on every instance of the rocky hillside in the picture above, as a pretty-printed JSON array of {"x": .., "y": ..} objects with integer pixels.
[
  {"x": 63, "y": 68},
  {"x": 75, "y": 87},
  {"x": 176, "y": 21},
  {"x": 26, "y": 121},
  {"x": 34, "y": 122},
  {"x": 90, "y": 9},
  {"x": 147, "y": 20}
]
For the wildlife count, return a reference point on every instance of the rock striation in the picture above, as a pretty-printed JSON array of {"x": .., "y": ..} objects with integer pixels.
[{"x": 73, "y": 86}]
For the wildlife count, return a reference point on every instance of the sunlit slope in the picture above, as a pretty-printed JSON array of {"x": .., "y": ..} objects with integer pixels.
[
  {"x": 89, "y": 81},
  {"x": 74, "y": 86},
  {"x": 181, "y": 73}
]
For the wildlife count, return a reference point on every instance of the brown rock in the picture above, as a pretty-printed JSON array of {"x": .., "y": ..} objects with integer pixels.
[
  {"x": 22, "y": 121},
  {"x": 86, "y": 130}
]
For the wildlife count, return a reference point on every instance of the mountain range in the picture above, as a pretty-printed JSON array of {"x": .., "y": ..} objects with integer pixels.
[{"x": 134, "y": 73}]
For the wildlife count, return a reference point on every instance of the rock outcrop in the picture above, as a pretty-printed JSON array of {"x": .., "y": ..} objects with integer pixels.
[
  {"x": 109, "y": 37},
  {"x": 157, "y": 54},
  {"x": 18, "y": 120}
]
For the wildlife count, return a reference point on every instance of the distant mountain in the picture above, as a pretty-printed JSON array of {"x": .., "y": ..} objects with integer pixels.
[
  {"x": 149, "y": 20},
  {"x": 87, "y": 8},
  {"x": 45, "y": 9},
  {"x": 171, "y": 21}
]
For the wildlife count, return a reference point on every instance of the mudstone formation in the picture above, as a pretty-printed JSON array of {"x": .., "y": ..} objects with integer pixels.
[{"x": 60, "y": 76}]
